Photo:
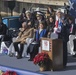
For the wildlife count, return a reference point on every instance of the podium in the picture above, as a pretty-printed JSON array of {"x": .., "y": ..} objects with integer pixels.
[{"x": 54, "y": 48}]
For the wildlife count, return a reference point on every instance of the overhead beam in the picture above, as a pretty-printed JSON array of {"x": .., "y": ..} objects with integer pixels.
[{"x": 48, "y": 2}]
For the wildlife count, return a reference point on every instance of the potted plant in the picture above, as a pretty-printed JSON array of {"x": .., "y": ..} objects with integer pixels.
[
  {"x": 43, "y": 60},
  {"x": 10, "y": 73}
]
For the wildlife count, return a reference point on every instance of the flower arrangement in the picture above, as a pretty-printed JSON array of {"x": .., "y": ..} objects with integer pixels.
[
  {"x": 1, "y": 72},
  {"x": 10, "y": 73},
  {"x": 43, "y": 60}
]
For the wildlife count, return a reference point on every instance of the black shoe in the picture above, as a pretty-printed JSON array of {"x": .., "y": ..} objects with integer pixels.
[
  {"x": 74, "y": 55},
  {"x": 30, "y": 59},
  {"x": 64, "y": 66},
  {"x": 19, "y": 57},
  {"x": 11, "y": 55}
]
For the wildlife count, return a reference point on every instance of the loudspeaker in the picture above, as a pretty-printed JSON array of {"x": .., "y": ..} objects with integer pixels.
[{"x": 10, "y": 4}]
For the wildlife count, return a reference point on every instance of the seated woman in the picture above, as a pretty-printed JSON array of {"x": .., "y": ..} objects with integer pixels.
[
  {"x": 34, "y": 46},
  {"x": 25, "y": 32}
]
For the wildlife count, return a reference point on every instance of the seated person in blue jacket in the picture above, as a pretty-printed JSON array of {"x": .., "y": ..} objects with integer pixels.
[{"x": 34, "y": 46}]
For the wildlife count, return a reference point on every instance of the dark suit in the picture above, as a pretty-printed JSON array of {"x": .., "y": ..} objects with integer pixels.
[
  {"x": 22, "y": 18},
  {"x": 73, "y": 33},
  {"x": 64, "y": 37},
  {"x": 50, "y": 27},
  {"x": 73, "y": 30},
  {"x": 3, "y": 29}
]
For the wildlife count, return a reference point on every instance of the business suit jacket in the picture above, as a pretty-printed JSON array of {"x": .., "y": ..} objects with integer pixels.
[
  {"x": 3, "y": 29},
  {"x": 73, "y": 30}
]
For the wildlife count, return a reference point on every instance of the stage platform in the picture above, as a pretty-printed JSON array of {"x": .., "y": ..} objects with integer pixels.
[{"x": 28, "y": 68}]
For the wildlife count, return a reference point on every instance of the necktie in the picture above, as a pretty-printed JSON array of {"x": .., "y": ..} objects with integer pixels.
[
  {"x": 71, "y": 29},
  {"x": 56, "y": 23}
]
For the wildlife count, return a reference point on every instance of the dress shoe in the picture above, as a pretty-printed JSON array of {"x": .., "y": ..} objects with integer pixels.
[
  {"x": 74, "y": 55},
  {"x": 11, "y": 55},
  {"x": 30, "y": 59},
  {"x": 19, "y": 57}
]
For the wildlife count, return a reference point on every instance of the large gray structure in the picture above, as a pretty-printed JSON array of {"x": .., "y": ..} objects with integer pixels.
[{"x": 5, "y": 11}]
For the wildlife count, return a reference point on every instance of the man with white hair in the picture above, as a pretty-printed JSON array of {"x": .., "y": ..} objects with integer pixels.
[
  {"x": 59, "y": 22},
  {"x": 25, "y": 32}
]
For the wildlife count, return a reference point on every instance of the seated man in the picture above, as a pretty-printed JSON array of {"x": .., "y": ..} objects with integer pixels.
[
  {"x": 25, "y": 32},
  {"x": 3, "y": 28}
]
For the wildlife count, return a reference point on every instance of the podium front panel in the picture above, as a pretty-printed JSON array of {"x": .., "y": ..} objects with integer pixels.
[
  {"x": 54, "y": 50},
  {"x": 46, "y": 46}
]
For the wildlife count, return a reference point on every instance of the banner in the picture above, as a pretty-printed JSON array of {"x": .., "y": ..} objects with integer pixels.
[
  {"x": 72, "y": 8},
  {"x": 45, "y": 45}
]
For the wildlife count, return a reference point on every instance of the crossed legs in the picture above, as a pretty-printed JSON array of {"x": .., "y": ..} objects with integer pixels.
[{"x": 19, "y": 50}]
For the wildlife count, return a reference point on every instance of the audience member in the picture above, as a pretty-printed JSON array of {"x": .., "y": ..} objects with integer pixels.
[
  {"x": 51, "y": 11},
  {"x": 22, "y": 17},
  {"x": 72, "y": 31},
  {"x": 39, "y": 19},
  {"x": 3, "y": 27},
  {"x": 29, "y": 19},
  {"x": 25, "y": 32},
  {"x": 34, "y": 46},
  {"x": 65, "y": 38},
  {"x": 51, "y": 25}
]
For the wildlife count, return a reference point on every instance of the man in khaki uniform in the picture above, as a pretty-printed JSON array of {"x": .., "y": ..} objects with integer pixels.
[{"x": 25, "y": 32}]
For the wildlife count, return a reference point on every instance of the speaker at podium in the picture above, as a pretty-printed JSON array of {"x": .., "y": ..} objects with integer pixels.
[{"x": 54, "y": 48}]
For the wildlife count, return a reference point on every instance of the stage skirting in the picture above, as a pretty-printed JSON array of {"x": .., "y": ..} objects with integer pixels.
[{"x": 18, "y": 71}]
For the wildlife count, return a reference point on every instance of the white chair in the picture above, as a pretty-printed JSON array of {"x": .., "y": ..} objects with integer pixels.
[
  {"x": 24, "y": 54},
  {"x": 39, "y": 49},
  {"x": 4, "y": 46},
  {"x": 1, "y": 36},
  {"x": 28, "y": 41},
  {"x": 70, "y": 45}
]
